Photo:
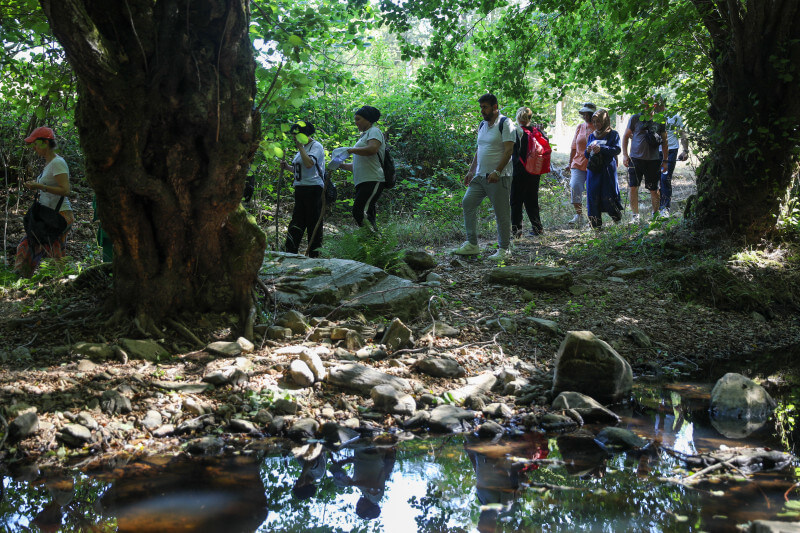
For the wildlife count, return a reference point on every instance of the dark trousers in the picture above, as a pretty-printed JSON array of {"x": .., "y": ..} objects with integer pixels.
[
  {"x": 249, "y": 187},
  {"x": 666, "y": 179},
  {"x": 306, "y": 214},
  {"x": 367, "y": 194},
  {"x": 525, "y": 192}
]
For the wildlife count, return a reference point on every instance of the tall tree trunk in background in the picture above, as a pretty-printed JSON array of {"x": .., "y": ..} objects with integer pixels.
[
  {"x": 167, "y": 122},
  {"x": 755, "y": 103}
]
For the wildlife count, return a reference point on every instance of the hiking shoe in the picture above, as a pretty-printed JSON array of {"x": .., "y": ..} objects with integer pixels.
[
  {"x": 577, "y": 220},
  {"x": 664, "y": 212},
  {"x": 635, "y": 218},
  {"x": 467, "y": 248},
  {"x": 500, "y": 255}
]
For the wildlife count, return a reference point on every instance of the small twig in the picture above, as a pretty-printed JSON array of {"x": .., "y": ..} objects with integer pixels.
[{"x": 31, "y": 341}]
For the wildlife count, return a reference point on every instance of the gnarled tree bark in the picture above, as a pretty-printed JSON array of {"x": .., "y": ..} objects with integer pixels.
[{"x": 167, "y": 122}]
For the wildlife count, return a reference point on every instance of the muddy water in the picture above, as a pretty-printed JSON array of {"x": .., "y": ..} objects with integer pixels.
[{"x": 453, "y": 484}]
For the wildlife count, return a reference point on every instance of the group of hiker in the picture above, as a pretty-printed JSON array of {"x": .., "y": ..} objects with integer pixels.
[{"x": 510, "y": 158}]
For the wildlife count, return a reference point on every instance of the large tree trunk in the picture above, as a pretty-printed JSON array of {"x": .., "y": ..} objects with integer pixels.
[
  {"x": 755, "y": 106},
  {"x": 167, "y": 123}
]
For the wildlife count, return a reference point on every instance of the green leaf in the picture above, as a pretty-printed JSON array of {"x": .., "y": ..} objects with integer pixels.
[{"x": 294, "y": 40}]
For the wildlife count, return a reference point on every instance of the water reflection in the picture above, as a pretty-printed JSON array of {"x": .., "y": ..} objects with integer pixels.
[{"x": 537, "y": 483}]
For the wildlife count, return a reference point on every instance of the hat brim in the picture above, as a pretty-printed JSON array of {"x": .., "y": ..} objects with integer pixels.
[{"x": 587, "y": 110}]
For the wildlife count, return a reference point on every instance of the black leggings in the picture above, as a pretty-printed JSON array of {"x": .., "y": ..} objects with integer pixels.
[
  {"x": 367, "y": 194},
  {"x": 525, "y": 191},
  {"x": 307, "y": 213}
]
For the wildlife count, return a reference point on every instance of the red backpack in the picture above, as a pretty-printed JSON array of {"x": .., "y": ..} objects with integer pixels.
[{"x": 537, "y": 158}]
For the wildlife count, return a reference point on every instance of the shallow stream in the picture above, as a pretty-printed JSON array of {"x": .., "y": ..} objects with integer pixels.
[{"x": 452, "y": 484}]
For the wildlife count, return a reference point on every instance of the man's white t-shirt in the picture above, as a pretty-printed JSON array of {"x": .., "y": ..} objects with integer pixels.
[
  {"x": 368, "y": 167},
  {"x": 491, "y": 146},
  {"x": 310, "y": 176},
  {"x": 48, "y": 177},
  {"x": 674, "y": 125}
]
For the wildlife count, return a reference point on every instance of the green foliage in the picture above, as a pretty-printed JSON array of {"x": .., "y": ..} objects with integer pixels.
[{"x": 362, "y": 244}]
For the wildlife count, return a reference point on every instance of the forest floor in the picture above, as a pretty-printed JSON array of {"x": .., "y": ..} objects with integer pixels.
[{"x": 676, "y": 320}]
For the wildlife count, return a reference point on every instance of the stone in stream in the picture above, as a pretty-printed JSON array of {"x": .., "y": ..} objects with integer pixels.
[
  {"x": 303, "y": 428},
  {"x": 23, "y": 426},
  {"x": 582, "y": 453},
  {"x": 490, "y": 430},
  {"x": 737, "y": 397},
  {"x": 480, "y": 384},
  {"x": 588, "y": 408},
  {"x": 590, "y": 366},
  {"x": 620, "y": 439},
  {"x": 450, "y": 419},
  {"x": 388, "y": 399}
]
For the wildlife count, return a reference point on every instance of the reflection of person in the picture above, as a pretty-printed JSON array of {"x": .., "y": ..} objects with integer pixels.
[
  {"x": 309, "y": 168},
  {"x": 490, "y": 175},
  {"x": 577, "y": 161},
  {"x": 368, "y": 154},
  {"x": 674, "y": 131},
  {"x": 524, "y": 186},
  {"x": 497, "y": 478},
  {"x": 602, "y": 189},
  {"x": 53, "y": 187},
  {"x": 313, "y": 471},
  {"x": 372, "y": 467},
  {"x": 645, "y": 159}
]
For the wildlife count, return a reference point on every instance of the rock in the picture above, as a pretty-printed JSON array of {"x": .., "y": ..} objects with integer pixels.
[
  {"x": 277, "y": 425},
  {"x": 630, "y": 273},
  {"x": 497, "y": 410},
  {"x": 335, "y": 434},
  {"x": 300, "y": 374},
  {"x": 279, "y": 333},
  {"x": 363, "y": 378},
  {"x": 239, "y": 425},
  {"x": 114, "y": 403},
  {"x": 772, "y": 526},
  {"x": 182, "y": 386},
  {"x": 480, "y": 384},
  {"x": 590, "y": 366},
  {"x": 588, "y": 408},
  {"x": 736, "y": 397},
  {"x": 503, "y": 323},
  {"x": 225, "y": 349},
  {"x": 285, "y": 407},
  {"x": 167, "y": 430},
  {"x": 20, "y": 408},
  {"x": 228, "y": 371},
  {"x": 397, "y": 335},
  {"x": 581, "y": 452},
  {"x": 315, "y": 364},
  {"x": 476, "y": 402},
  {"x": 152, "y": 420},
  {"x": 193, "y": 407},
  {"x": 193, "y": 424},
  {"x": 543, "y": 325},
  {"x": 532, "y": 277},
  {"x": 353, "y": 340},
  {"x": 23, "y": 426},
  {"x": 433, "y": 277},
  {"x": 441, "y": 367},
  {"x": 246, "y": 345},
  {"x": 303, "y": 428},
  {"x": 263, "y": 417},
  {"x": 87, "y": 420},
  {"x": 554, "y": 422},
  {"x": 639, "y": 338},
  {"x": 620, "y": 439},
  {"x": 205, "y": 446},
  {"x": 490, "y": 430},
  {"x": 92, "y": 350},
  {"x": 148, "y": 350},
  {"x": 403, "y": 270},
  {"x": 74, "y": 435},
  {"x": 419, "y": 259},
  {"x": 578, "y": 290},
  {"x": 449, "y": 419},
  {"x": 293, "y": 320},
  {"x": 84, "y": 365},
  {"x": 387, "y": 399},
  {"x": 339, "y": 334},
  {"x": 441, "y": 329},
  {"x": 303, "y": 280},
  {"x": 428, "y": 400}
]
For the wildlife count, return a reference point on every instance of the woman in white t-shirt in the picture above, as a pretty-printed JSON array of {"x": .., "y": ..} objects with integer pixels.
[
  {"x": 367, "y": 169},
  {"x": 52, "y": 185},
  {"x": 308, "y": 166}
]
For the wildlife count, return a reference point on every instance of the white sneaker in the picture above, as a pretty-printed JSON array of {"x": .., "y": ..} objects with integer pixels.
[
  {"x": 635, "y": 218},
  {"x": 467, "y": 248},
  {"x": 664, "y": 212},
  {"x": 500, "y": 255},
  {"x": 577, "y": 220}
]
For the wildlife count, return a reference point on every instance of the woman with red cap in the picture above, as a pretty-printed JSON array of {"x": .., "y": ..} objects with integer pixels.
[{"x": 52, "y": 188}]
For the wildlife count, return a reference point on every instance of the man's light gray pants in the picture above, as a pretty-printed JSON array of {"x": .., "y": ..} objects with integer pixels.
[{"x": 499, "y": 194}]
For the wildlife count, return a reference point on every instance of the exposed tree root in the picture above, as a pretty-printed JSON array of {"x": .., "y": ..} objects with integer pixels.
[{"x": 185, "y": 332}]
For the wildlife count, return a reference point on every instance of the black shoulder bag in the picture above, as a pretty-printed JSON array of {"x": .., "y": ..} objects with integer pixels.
[{"x": 44, "y": 225}]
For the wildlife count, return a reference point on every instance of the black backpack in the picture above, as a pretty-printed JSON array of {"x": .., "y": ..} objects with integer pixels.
[
  {"x": 499, "y": 125},
  {"x": 329, "y": 188},
  {"x": 387, "y": 164},
  {"x": 651, "y": 137}
]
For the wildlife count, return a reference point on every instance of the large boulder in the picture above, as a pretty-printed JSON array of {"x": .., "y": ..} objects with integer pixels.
[
  {"x": 590, "y": 366},
  {"x": 301, "y": 281},
  {"x": 739, "y": 398}
]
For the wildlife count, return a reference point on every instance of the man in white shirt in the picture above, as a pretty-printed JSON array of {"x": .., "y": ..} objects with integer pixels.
[
  {"x": 490, "y": 175},
  {"x": 675, "y": 132}
]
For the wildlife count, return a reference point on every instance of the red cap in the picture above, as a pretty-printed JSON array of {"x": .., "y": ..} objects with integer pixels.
[{"x": 42, "y": 132}]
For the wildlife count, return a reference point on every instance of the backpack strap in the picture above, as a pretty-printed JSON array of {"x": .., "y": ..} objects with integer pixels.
[{"x": 58, "y": 205}]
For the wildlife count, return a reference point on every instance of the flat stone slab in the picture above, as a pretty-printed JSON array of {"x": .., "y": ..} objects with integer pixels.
[
  {"x": 300, "y": 281},
  {"x": 532, "y": 277},
  {"x": 363, "y": 378}
]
